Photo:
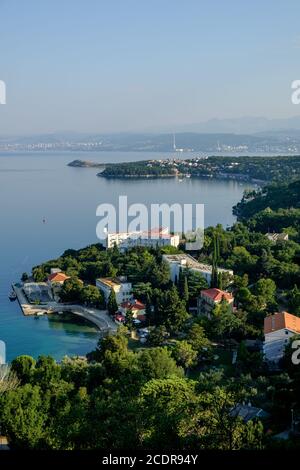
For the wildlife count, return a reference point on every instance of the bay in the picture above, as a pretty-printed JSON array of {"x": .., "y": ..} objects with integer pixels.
[{"x": 39, "y": 185}]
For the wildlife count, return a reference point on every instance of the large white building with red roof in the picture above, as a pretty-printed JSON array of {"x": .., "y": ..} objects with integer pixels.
[
  {"x": 158, "y": 237},
  {"x": 209, "y": 298},
  {"x": 278, "y": 329}
]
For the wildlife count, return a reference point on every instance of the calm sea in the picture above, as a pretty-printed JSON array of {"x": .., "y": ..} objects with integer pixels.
[{"x": 35, "y": 186}]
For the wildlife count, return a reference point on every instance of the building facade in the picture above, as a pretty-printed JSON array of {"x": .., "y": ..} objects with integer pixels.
[
  {"x": 119, "y": 285},
  {"x": 278, "y": 329},
  {"x": 150, "y": 239},
  {"x": 209, "y": 298},
  {"x": 184, "y": 261}
]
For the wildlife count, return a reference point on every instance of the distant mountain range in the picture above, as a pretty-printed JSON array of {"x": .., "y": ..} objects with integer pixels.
[{"x": 242, "y": 125}]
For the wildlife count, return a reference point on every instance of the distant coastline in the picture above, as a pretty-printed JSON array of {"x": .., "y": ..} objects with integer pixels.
[
  {"x": 255, "y": 170},
  {"x": 85, "y": 164}
]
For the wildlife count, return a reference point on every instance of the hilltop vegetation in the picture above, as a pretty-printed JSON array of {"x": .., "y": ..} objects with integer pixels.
[{"x": 281, "y": 197}]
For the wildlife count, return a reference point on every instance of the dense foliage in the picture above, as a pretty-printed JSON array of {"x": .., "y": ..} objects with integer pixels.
[
  {"x": 123, "y": 399},
  {"x": 181, "y": 389},
  {"x": 259, "y": 168}
]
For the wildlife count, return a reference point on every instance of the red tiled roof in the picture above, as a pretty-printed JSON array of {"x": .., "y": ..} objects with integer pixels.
[
  {"x": 120, "y": 317},
  {"x": 216, "y": 294},
  {"x": 58, "y": 277},
  {"x": 141, "y": 317},
  {"x": 280, "y": 321},
  {"x": 137, "y": 305}
]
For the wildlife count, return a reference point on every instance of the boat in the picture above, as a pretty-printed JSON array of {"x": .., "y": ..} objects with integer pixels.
[
  {"x": 12, "y": 296},
  {"x": 39, "y": 314}
]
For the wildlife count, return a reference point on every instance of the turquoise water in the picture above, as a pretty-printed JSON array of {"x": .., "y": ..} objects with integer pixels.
[{"x": 34, "y": 186}]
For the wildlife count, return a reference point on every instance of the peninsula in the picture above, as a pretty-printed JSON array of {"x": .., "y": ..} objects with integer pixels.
[{"x": 255, "y": 169}]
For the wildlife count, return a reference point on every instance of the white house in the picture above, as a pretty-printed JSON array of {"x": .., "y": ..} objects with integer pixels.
[
  {"x": 152, "y": 238},
  {"x": 278, "y": 330},
  {"x": 120, "y": 285},
  {"x": 185, "y": 261},
  {"x": 277, "y": 237}
]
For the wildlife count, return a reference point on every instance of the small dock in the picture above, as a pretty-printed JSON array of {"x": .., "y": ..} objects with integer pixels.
[{"x": 100, "y": 318}]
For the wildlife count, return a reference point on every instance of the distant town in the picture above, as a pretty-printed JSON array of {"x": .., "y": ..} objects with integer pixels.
[{"x": 212, "y": 143}]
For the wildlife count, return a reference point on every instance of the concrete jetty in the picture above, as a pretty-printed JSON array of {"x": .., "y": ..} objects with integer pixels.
[{"x": 100, "y": 318}]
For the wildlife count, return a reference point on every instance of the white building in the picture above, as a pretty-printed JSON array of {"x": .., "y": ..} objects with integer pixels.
[
  {"x": 185, "y": 261},
  {"x": 277, "y": 237},
  {"x": 278, "y": 330},
  {"x": 152, "y": 238},
  {"x": 121, "y": 287}
]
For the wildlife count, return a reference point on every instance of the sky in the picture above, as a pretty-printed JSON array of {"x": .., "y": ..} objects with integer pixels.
[{"x": 133, "y": 65}]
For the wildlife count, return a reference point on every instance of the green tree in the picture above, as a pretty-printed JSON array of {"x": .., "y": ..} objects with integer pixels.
[
  {"x": 91, "y": 295},
  {"x": 184, "y": 354},
  {"x": 112, "y": 343},
  {"x": 265, "y": 290},
  {"x": 71, "y": 290},
  {"x": 23, "y": 366},
  {"x": 166, "y": 404},
  {"x": 142, "y": 291},
  {"x": 185, "y": 293},
  {"x": 38, "y": 274},
  {"x": 196, "y": 282},
  {"x": 112, "y": 305},
  {"x": 198, "y": 340},
  {"x": 157, "y": 335},
  {"x": 294, "y": 300},
  {"x": 46, "y": 371},
  {"x": 226, "y": 323},
  {"x": 170, "y": 310},
  {"x": 23, "y": 417},
  {"x": 157, "y": 363}
]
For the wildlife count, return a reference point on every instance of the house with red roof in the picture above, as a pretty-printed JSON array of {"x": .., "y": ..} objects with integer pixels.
[
  {"x": 57, "y": 278},
  {"x": 209, "y": 298},
  {"x": 137, "y": 308},
  {"x": 278, "y": 329}
]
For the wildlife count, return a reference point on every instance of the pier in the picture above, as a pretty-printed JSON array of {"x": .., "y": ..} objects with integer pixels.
[{"x": 99, "y": 318}]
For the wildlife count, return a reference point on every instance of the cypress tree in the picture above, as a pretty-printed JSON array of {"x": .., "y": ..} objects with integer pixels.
[
  {"x": 112, "y": 305},
  {"x": 186, "y": 295}
]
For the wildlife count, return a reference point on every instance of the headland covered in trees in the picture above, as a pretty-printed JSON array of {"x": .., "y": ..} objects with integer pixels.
[{"x": 258, "y": 169}]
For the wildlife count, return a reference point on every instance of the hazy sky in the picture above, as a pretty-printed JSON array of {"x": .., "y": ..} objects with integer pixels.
[{"x": 117, "y": 65}]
